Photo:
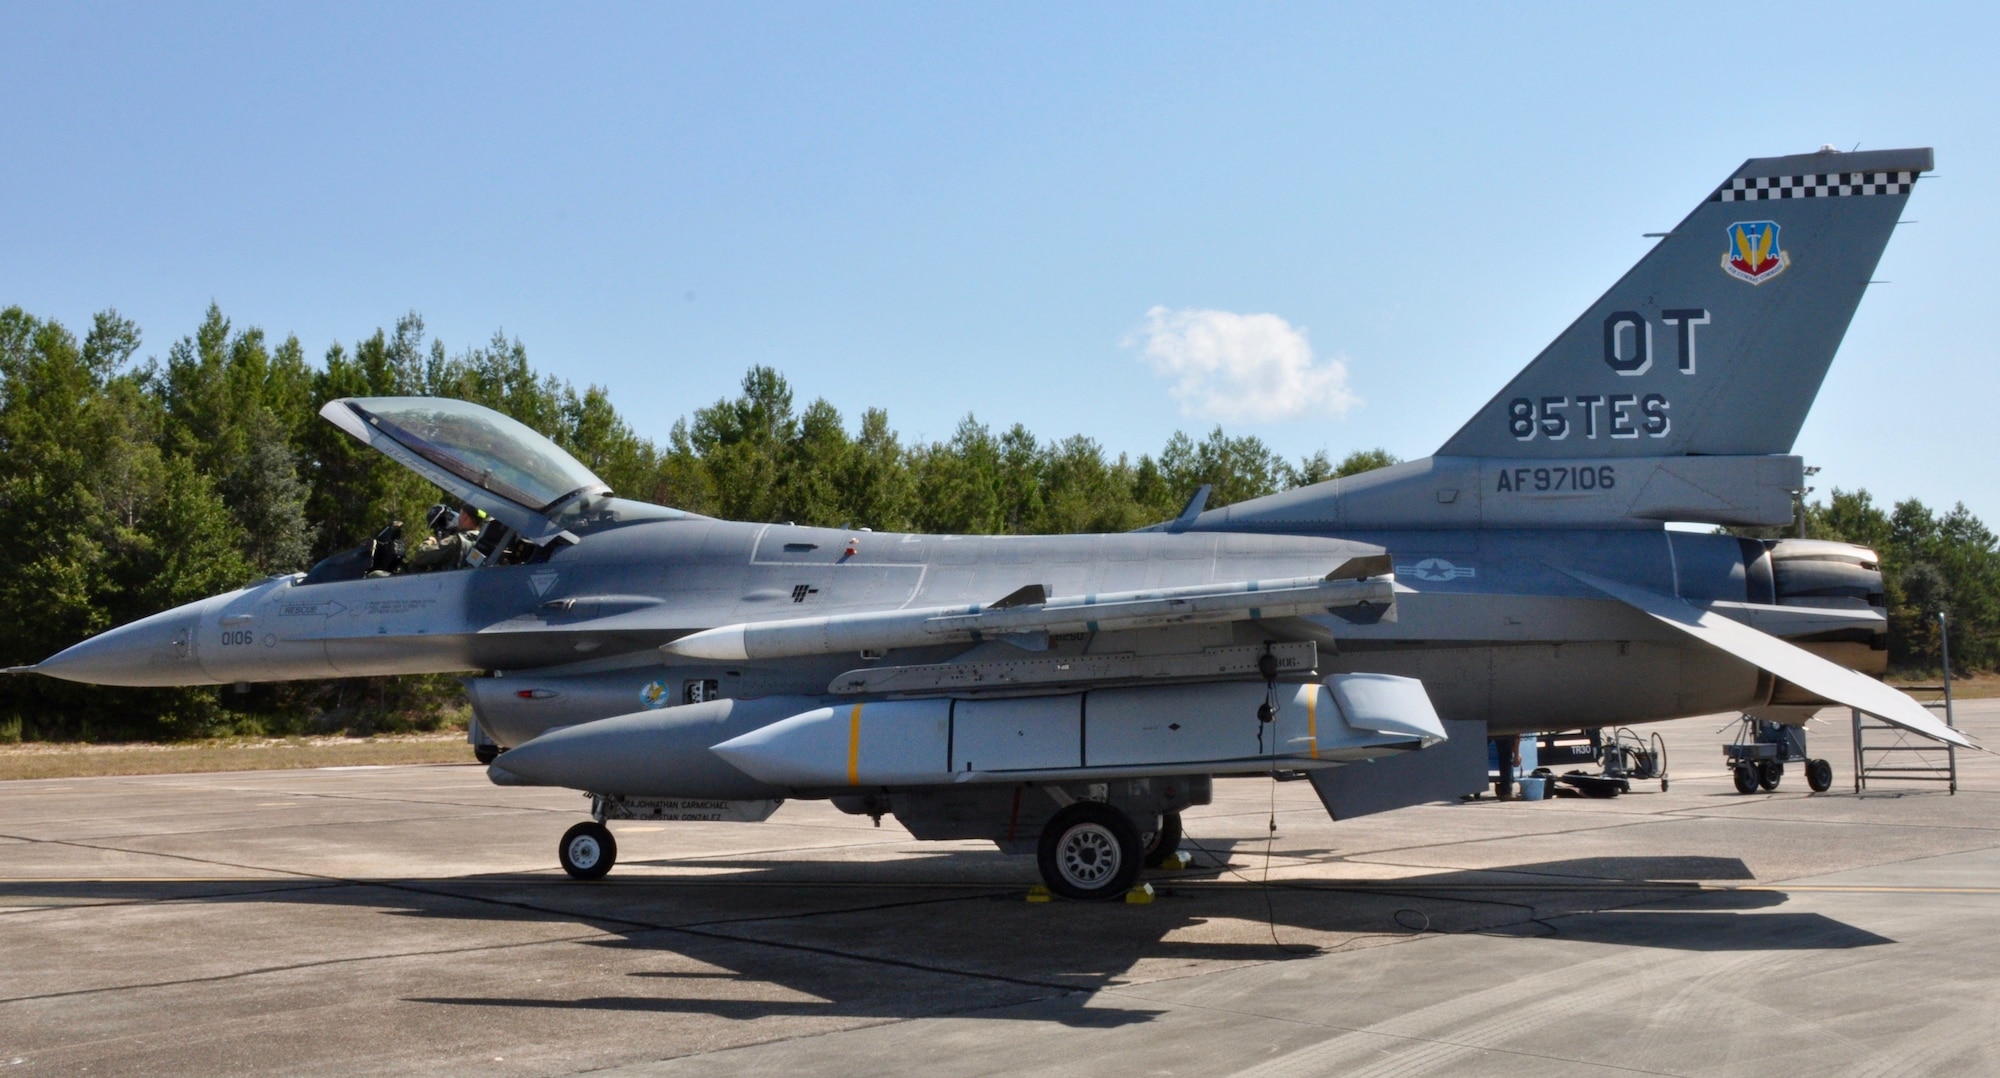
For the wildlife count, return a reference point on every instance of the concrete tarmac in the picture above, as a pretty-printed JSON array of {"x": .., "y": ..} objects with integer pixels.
[{"x": 413, "y": 920}]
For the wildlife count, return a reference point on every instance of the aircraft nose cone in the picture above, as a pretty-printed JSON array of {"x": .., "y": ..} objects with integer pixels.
[{"x": 159, "y": 650}]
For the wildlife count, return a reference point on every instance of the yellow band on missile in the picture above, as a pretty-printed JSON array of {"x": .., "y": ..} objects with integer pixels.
[
  {"x": 854, "y": 746},
  {"x": 1312, "y": 720}
]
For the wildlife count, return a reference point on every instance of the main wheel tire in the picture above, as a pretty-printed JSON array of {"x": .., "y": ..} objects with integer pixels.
[
  {"x": 1746, "y": 779},
  {"x": 1090, "y": 851},
  {"x": 1166, "y": 841},
  {"x": 1819, "y": 776},
  {"x": 1770, "y": 773},
  {"x": 587, "y": 851},
  {"x": 486, "y": 754}
]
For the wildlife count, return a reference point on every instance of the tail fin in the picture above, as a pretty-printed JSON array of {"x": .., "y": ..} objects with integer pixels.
[{"x": 1717, "y": 341}]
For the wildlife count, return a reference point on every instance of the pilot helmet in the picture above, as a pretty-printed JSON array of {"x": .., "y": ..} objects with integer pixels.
[{"x": 440, "y": 517}]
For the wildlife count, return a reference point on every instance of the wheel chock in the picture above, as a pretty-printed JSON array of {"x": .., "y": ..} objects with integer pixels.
[
  {"x": 1039, "y": 893},
  {"x": 1177, "y": 861},
  {"x": 1140, "y": 895}
]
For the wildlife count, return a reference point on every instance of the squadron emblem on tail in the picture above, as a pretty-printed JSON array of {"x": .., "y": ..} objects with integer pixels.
[{"x": 1754, "y": 254}]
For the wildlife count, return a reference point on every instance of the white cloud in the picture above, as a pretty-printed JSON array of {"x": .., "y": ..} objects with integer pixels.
[{"x": 1241, "y": 366}]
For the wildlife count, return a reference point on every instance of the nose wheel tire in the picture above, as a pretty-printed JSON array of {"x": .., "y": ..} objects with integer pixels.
[
  {"x": 1090, "y": 851},
  {"x": 1819, "y": 776},
  {"x": 587, "y": 851},
  {"x": 1166, "y": 841}
]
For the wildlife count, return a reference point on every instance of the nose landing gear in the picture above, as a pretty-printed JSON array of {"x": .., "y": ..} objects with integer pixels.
[{"x": 587, "y": 851}]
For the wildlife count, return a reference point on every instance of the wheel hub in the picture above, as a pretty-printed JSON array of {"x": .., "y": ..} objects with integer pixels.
[
  {"x": 584, "y": 851},
  {"x": 1088, "y": 855}
]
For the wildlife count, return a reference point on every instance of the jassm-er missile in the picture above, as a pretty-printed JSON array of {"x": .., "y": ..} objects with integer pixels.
[
  {"x": 732, "y": 749},
  {"x": 1191, "y": 729}
]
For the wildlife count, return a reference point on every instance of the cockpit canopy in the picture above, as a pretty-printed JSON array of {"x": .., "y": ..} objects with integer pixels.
[
  {"x": 482, "y": 447},
  {"x": 538, "y": 497},
  {"x": 491, "y": 462}
]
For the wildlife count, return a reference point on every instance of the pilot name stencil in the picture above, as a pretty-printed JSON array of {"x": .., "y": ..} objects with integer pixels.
[{"x": 398, "y": 606}]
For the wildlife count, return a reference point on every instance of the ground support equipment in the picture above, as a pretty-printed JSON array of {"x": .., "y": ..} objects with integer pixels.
[{"x": 1758, "y": 755}]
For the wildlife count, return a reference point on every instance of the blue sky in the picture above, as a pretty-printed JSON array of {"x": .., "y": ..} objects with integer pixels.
[{"x": 942, "y": 209}]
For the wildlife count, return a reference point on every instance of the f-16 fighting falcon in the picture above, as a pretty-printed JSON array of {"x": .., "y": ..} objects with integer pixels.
[{"x": 1069, "y": 695}]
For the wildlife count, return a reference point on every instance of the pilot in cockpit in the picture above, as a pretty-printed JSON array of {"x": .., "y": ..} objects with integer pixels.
[{"x": 451, "y": 540}]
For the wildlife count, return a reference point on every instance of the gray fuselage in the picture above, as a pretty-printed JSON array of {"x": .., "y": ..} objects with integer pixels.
[{"x": 1487, "y": 619}]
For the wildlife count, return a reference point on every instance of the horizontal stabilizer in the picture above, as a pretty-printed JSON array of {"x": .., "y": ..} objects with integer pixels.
[{"x": 1794, "y": 664}]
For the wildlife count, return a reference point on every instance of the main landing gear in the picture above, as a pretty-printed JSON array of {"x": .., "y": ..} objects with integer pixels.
[
  {"x": 1090, "y": 851},
  {"x": 1165, "y": 842}
]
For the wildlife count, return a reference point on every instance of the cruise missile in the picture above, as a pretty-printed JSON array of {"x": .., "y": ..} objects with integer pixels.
[{"x": 1201, "y": 728}]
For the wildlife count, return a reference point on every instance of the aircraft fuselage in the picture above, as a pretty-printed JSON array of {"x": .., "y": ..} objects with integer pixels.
[{"x": 1487, "y": 619}]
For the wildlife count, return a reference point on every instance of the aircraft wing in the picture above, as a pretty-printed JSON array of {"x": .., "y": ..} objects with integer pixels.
[{"x": 1788, "y": 661}]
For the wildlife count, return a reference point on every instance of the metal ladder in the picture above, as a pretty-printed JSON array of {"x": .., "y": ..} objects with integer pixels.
[{"x": 1896, "y": 754}]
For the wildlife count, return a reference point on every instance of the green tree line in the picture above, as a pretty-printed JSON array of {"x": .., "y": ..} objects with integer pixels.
[
  {"x": 132, "y": 485},
  {"x": 1931, "y": 563}
]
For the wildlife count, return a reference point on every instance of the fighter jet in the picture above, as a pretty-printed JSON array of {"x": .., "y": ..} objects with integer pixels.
[{"x": 1070, "y": 695}]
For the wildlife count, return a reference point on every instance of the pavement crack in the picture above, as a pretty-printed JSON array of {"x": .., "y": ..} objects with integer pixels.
[
  {"x": 289, "y": 967},
  {"x": 1364, "y": 1031}
]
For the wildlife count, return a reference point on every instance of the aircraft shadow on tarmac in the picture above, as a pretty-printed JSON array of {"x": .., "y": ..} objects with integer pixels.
[{"x": 937, "y": 934}]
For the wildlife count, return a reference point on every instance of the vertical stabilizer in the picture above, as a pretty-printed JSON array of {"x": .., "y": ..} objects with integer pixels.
[{"x": 1717, "y": 341}]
